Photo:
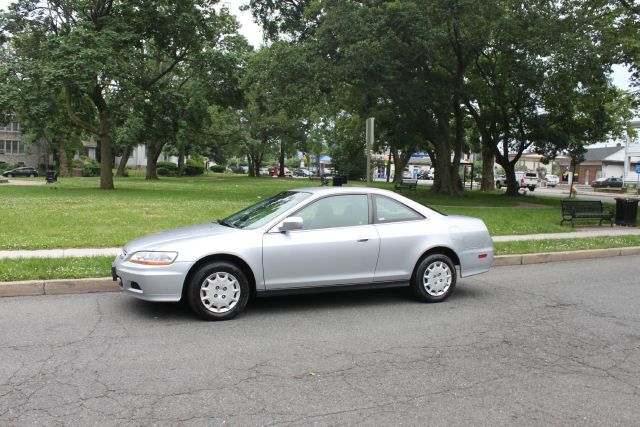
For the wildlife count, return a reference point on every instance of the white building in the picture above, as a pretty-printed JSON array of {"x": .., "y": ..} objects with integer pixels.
[{"x": 632, "y": 156}]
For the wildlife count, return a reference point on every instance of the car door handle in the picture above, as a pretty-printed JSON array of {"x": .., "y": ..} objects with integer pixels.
[{"x": 364, "y": 239}]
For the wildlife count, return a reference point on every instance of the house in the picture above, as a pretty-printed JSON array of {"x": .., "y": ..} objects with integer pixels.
[
  {"x": 14, "y": 150},
  {"x": 601, "y": 162}
]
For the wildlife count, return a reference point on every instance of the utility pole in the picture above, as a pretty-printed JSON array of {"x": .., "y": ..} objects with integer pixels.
[{"x": 369, "y": 136}]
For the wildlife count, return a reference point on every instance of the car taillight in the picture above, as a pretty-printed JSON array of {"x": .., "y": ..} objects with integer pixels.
[{"x": 521, "y": 180}]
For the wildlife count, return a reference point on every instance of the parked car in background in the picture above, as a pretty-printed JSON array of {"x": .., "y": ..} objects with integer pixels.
[
  {"x": 551, "y": 180},
  {"x": 607, "y": 182},
  {"x": 304, "y": 173},
  {"x": 425, "y": 174},
  {"x": 524, "y": 179},
  {"x": 26, "y": 171},
  {"x": 315, "y": 238}
]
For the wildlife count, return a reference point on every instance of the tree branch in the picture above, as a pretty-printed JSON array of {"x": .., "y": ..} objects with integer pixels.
[{"x": 74, "y": 117}]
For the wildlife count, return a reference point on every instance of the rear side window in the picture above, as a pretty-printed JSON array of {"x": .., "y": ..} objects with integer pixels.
[{"x": 389, "y": 210}]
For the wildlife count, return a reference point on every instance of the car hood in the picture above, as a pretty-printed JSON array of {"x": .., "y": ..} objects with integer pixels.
[{"x": 153, "y": 241}]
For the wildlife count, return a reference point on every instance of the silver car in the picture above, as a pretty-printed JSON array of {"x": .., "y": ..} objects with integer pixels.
[{"x": 311, "y": 239}]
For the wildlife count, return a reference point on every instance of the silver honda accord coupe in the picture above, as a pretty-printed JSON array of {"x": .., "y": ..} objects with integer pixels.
[{"x": 310, "y": 239}]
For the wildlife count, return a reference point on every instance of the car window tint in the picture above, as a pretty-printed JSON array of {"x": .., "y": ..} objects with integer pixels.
[
  {"x": 335, "y": 211},
  {"x": 389, "y": 210}
]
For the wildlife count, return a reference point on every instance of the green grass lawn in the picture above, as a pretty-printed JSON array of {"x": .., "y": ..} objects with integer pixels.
[
  {"x": 74, "y": 213},
  {"x": 77, "y": 268},
  {"x": 54, "y": 268}
]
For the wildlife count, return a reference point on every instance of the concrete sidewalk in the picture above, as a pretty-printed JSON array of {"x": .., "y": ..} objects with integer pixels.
[{"x": 579, "y": 233}]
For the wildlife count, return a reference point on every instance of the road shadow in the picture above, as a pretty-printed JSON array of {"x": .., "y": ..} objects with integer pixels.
[{"x": 296, "y": 304}]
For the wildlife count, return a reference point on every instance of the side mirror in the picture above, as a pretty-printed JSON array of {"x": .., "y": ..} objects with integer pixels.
[{"x": 291, "y": 223}]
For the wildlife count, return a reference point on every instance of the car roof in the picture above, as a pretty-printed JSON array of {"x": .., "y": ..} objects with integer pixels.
[{"x": 342, "y": 190}]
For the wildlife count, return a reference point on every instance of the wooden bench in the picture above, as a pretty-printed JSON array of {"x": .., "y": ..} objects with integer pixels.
[
  {"x": 585, "y": 209},
  {"x": 409, "y": 184}
]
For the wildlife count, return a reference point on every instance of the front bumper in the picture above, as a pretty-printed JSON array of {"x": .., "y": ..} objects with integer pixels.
[{"x": 151, "y": 283}]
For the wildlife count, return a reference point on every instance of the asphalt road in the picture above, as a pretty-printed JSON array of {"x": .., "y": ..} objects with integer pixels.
[{"x": 536, "y": 345}]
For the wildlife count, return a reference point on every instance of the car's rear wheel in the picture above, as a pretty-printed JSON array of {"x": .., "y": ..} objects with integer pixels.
[
  {"x": 434, "y": 278},
  {"x": 218, "y": 291},
  {"x": 498, "y": 185}
]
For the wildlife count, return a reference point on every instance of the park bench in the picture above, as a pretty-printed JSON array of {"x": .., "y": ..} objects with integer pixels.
[
  {"x": 585, "y": 209},
  {"x": 409, "y": 184}
]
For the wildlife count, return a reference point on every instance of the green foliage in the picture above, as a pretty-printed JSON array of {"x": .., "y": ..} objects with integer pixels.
[
  {"x": 217, "y": 168},
  {"x": 114, "y": 57},
  {"x": 167, "y": 169},
  {"x": 193, "y": 168},
  {"x": 90, "y": 168}
]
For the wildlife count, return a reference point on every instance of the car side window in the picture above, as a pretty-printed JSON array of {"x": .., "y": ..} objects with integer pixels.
[
  {"x": 335, "y": 211},
  {"x": 389, "y": 210}
]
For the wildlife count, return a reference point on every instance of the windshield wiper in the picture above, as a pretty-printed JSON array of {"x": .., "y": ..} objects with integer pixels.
[{"x": 226, "y": 223}]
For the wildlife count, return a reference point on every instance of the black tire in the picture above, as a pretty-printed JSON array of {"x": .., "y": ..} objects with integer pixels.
[
  {"x": 31, "y": 176},
  {"x": 224, "y": 272},
  {"x": 432, "y": 292},
  {"x": 9, "y": 175},
  {"x": 498, "y": 185},
  {"x": 532, "y": 188}
]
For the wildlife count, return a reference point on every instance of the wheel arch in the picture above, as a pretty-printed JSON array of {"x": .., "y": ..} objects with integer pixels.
[
  {"x": 442, "y": 250},
  {"x": 233, "y": 259}
]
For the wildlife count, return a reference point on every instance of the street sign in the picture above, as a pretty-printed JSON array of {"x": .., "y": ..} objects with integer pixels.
[{"x": 638, "y": 168}]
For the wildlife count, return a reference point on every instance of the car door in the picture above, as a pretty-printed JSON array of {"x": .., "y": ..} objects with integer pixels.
[{"x": 337, "y": 245}]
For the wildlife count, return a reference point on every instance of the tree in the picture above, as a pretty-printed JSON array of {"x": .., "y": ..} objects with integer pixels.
[
  {"x": 101, "y": 51},
  {"x": 279, "y": 87},
  {"x": 403, "y": 59},
  {"x": 542, "y": 84}
]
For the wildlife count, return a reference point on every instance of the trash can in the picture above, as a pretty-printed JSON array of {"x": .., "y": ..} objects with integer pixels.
[
  {"x": 344, "y": 179},
  {"x": 626, "y": 211},
  {"x": 51, "y": 177},
  {"x": 337, "y": 181}
]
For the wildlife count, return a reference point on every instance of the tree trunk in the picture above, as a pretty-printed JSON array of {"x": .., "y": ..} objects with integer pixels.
[
  {"x": 488, "y": 159},
  {"x": 457, "y": 149},
  {"x": 106, "y": 160},
  {"x": 63, "y": 160},
  {"x": 124, "y": 160},
  {"x": 153, "y": 152},
  {"x": 281, "y": 160},
  {"x": 443, "y": 182},
  {"x": 252, "y": 168},
  {"x": 181, "y": 156},
  {"x": 510, "y": 174}
]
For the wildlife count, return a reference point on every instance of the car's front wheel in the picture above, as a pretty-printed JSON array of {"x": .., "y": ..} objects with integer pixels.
[
  {"x": 9, "y": 175},
  {"x": 218, "y": 291},
  {"x": 434, "y": 278},
  {"x": 31, "y": 175}
]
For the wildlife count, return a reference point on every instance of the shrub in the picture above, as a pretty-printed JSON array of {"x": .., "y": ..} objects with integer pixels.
[
  {"x": 217, "y": 168},
  {"x": 192, "y": 168},
  {"x": 77, "y": 164},
  {"x": 166, "y": 169},
  {"x": 91, "y": 168}
]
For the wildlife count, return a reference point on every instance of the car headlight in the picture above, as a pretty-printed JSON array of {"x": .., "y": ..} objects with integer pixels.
[{"x": 153, "y": 258}]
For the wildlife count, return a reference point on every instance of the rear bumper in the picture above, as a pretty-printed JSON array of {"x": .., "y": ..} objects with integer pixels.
[{"x": 475, "y": 261}]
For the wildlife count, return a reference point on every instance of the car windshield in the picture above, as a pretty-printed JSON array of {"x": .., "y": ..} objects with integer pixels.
[{"x": 264, "y": 211}]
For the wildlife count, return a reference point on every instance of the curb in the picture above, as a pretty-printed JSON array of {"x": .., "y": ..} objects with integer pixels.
[
  {"x": 57, "y": 287},
  {"x": 106, "y": 284}
]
